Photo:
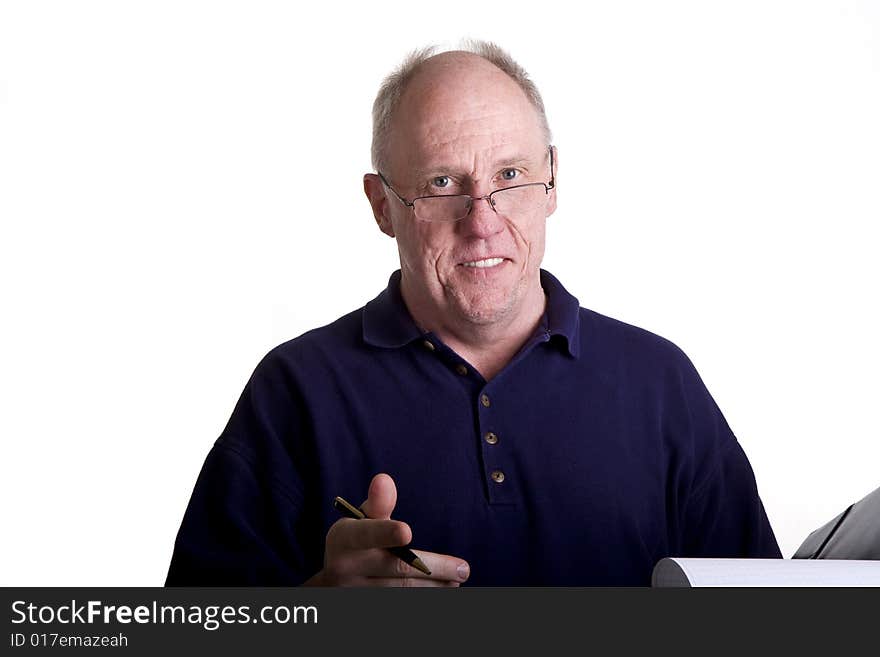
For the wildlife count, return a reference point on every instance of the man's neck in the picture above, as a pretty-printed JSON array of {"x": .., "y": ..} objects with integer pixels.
[{"x": 487, "y": 347}]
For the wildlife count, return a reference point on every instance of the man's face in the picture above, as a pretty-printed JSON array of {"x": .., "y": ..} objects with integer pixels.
[{"x": 464, "y": 127}]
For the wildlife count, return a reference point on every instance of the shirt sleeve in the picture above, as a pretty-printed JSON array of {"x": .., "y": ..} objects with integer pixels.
[
  {"x": 720, "y": 513},
  {"x": 725, "y": 517},
  {"x": 246, "y": 519}
]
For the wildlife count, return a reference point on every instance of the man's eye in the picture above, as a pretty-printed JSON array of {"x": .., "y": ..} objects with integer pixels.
[
  {"x": 441, "y": 181},
  {"x": 509, "y": 174}
]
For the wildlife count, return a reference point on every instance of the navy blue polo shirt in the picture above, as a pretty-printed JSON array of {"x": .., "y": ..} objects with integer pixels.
[{"x": 593, "y": 454}]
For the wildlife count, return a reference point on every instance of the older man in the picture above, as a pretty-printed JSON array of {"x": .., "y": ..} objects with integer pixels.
[{"x": 516, "y": 438}]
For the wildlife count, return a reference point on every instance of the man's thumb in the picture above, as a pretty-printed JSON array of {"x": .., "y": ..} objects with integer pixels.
[{"x": 381, "y": 497}]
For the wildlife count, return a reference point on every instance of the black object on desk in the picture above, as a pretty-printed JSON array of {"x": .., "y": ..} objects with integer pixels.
[{"x": 853, "y": 534}]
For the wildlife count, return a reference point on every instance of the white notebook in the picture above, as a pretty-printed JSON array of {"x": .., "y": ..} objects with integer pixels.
[{"x": 689, "y": 572}]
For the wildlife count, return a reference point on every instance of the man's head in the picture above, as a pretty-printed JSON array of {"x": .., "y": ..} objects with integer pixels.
[{"x": 456, "y": 123}]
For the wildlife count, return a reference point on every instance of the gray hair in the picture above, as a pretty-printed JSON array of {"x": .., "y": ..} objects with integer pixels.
[{"x": 394, "y": 85}]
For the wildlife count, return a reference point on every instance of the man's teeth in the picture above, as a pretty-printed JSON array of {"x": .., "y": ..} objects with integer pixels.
[{"x": 489, "y": 262}]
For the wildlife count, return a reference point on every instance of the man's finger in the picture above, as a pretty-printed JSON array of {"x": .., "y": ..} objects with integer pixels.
[
  {"x": 349, "y": 534},
  {"x": 381, "y": 497},
  {"x": 444, "y": 566},
  {"x": 409, "y": 582},
  {"x": 381, "y": 563}
]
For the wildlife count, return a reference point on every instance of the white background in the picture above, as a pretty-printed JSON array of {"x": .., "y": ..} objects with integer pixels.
[{"x": 180, "y": 191}]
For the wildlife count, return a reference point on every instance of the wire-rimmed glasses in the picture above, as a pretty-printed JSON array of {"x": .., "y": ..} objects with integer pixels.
[{"x": 512, "y": 201}]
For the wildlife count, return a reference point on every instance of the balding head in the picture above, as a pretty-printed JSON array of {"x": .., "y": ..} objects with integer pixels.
[{"x": 427, "y": 71}]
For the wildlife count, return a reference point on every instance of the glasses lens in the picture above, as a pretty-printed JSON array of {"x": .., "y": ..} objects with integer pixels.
[
  {"x": 512, "y": 202},
  {"x": 441, "y": 208},
  {"x": 517, "y": 201}
]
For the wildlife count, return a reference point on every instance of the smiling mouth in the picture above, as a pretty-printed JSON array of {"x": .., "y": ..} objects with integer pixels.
[{"x": 483, "y": 264}]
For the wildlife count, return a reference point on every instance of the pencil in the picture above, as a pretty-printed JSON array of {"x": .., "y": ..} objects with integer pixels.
[{"x": 407, "y": 555}]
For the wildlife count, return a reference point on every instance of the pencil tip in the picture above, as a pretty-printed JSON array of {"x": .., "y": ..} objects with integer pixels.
[{"x": 418, "y": 563}]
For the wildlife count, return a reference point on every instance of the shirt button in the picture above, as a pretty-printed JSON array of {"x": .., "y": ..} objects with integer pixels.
[
  {"x": 491, "y": 438},
  {"x": 428, "y": 345},
  {"x": 484, "y": 400},
  {"x": 461, "y": 369},
  {"x": 497, "y": 476}
]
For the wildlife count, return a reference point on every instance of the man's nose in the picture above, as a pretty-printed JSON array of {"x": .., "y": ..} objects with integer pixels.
[{"x": 482, "y": 220}]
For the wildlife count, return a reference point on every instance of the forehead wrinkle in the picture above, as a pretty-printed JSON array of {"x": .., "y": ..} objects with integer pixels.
[
  {"x": 483, "y": 120},
  {"x": 438, "y": 149},
  {"x": 511, "y": 155}
]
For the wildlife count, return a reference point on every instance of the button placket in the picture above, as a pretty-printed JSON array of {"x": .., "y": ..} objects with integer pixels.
[{"x": 498, "y": 467}]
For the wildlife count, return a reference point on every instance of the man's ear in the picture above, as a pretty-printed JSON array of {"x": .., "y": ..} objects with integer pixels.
[
  {"x": 375, "y": 191},
  {"x": 551, "y": 204}
]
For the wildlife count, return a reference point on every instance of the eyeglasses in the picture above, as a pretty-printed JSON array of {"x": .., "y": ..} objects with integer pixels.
[{"x": 512, "y": 201}]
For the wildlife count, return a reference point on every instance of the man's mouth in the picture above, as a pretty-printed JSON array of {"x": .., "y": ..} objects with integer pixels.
[{"x": 482, "y": 264}]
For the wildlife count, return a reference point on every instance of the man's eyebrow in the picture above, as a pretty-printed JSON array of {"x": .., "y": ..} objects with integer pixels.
[{"x": 516, "y": 161}]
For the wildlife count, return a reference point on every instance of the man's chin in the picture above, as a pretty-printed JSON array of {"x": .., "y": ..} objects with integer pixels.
[
  {"x": 486, "y": 311},
  {"x": 483, "y": 304}
]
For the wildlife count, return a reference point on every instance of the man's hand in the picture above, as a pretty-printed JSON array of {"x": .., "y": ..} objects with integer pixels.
[{"x": 355, "y": 554}]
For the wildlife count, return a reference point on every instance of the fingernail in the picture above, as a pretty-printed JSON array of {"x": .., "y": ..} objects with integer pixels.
[{"x": 464, "y": 571}]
